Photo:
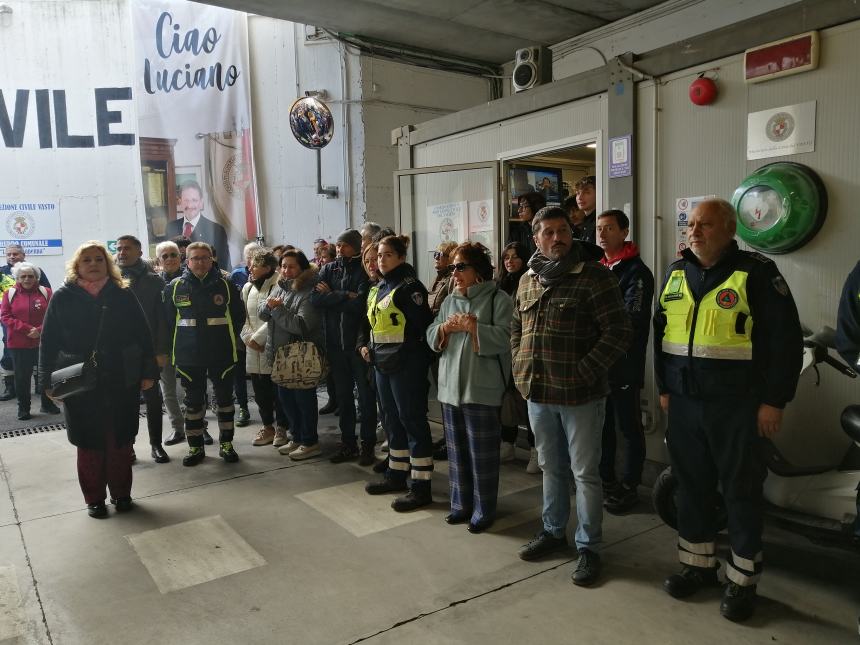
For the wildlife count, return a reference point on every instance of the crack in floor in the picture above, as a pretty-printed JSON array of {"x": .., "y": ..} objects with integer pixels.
[{"x": 488, "y": 592}]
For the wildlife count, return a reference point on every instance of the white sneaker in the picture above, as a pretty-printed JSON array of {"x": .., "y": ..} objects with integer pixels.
[
  {"x": 305, "y": 452},
  {"x": 532, "y": 468},
  {"x": 506, "y": 452},
  {"x": 264, "y": 437},
  {"x": 281, "y": 438},
  {"x": 288, "y": 447}
]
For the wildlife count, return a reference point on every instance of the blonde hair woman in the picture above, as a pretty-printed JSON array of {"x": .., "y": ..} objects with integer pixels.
[{"x": 94, "y": 311}]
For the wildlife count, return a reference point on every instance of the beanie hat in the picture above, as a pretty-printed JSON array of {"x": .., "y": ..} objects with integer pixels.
[{"x": 351, "y": 237}]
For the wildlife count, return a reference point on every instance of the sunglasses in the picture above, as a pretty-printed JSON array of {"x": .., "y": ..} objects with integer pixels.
[
  {"x": 439, "y": 254},
  {"x": 460, "y": 267},
  {"x": 164, "y": 256}
]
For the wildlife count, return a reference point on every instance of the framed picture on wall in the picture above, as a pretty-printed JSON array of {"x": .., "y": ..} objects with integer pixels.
[
  {"x": 527, "y": 179},
  {"x": 185, "y": 174}
]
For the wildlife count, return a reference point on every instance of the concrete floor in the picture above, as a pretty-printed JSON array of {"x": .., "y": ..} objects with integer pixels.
[{"x": 304, "y": 556}]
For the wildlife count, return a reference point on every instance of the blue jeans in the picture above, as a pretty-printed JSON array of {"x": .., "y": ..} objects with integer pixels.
[
  {"x": 300, "y": 406},
  {"x": 568, "y": 440}
]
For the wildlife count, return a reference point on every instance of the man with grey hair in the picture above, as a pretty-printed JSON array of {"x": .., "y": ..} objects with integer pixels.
[
  {"x": 368, "y": 230},
  {"x": 14, "y": 254},
  {"x": 727, "y": 354}
]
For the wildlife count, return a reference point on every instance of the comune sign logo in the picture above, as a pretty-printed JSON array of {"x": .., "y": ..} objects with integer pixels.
[{"x": 20, "y": 225}]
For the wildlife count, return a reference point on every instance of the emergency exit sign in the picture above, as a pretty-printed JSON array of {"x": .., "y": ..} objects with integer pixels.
[{"x": 781, "y": 58}]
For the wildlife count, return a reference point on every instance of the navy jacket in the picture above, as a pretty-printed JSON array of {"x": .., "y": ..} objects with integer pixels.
[
  {"x": 343, "y": 315},
  {"x": 637, "y": 287},
  {"x": 848, "y": 319}
]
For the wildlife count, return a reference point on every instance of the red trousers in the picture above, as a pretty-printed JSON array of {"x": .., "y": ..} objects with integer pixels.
[{"x": 109, "y": 467}]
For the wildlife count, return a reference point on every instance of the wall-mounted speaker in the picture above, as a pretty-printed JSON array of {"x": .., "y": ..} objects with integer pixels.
[{"x": 532, "y": 67}]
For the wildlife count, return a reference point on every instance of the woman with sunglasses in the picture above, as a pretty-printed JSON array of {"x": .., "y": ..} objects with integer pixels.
[
  {"x": 513, "y": 266},
  {"x": 169, "y": 259},
  {"x": 398, "y": 314},
  {"x": 472, "y": 333}
]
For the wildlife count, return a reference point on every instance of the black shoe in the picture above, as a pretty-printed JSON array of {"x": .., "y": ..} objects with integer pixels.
[
  {"x": 411, "y": 501},
  {"x": 195, "y": 456},
  {"x": 207, "y": 438},
  {"x": 366, "y": 455},
  {"x": 344, "y": 452},
  {"x": 690, "y": 580},
  {"x": 611, "y": 488},
  {"x": 159, "y": 456},
  {"x": 587, "y": 568},
  {"x": 175, "y": 438},
  {"x": 243, "y": 418},
  {"x": 542, "y": 544},
  {"x": 122, "y": 504},
  {"x": 455, "y": 518},
  {"x": 48, "y": 407},
  {"x": 480, "y": 526},
  {"x": 380, "y": 466},
  {"x": 97, "y": 511},
  {"x": 227, "y": 453},
  {"x": 329, "y": 407},
  {"x": 384, "y": 486},
  {"x": 441, "y": 453},
  {"x": 738, "y": 602},
  {"x": 622, "y": 500},
  {"x": 24, "y": 415}
]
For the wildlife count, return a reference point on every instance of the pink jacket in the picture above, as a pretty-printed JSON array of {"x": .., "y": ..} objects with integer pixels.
[{"x": 26, "y": 311}]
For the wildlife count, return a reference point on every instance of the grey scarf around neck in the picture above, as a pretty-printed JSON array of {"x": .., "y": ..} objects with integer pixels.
[{"x": 550, "y": 272}]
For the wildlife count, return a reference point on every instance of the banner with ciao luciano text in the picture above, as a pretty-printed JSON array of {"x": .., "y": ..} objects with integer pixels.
[{"x": 194, "y": 112}]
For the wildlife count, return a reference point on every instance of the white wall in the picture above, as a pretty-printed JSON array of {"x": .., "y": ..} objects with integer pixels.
[{"x": 63, "y": 45}]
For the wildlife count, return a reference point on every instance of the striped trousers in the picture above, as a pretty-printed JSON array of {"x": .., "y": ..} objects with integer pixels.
[
  {"x": 194, "y": 383},
  {"x": 472, "y": 433}
]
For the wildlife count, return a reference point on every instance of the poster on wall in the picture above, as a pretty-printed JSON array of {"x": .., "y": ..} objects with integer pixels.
[
  {"x": 683, "y": 207},
  {"x": 194, "y": 122},
  {"x": 781, "y": 131},
  {"x": 529, "y": 179},
  {"x": 446, "y": 222},
  {"x": 35, "y": 225},
  {"x": 481, "y": 223}
]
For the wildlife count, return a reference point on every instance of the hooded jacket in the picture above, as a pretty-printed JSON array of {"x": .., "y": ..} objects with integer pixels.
[
  {"x": 254, "y": 295},
  {"x": 297, "y": 319}
]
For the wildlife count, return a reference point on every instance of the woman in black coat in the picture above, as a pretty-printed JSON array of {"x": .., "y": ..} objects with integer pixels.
[{"x": 103, "y": 422}]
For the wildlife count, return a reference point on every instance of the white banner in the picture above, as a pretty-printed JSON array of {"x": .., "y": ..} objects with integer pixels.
[
  {"x": 781, "y": 131},
  {"x": 194, "y": 113},
  {"x": 35, "y": 225}
]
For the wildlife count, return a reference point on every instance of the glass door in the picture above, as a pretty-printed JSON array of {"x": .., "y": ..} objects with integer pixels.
[{"x": 448, "y": 204}]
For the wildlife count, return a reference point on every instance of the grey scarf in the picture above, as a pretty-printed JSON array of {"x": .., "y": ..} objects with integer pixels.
[{"x": 550, "y": 272}]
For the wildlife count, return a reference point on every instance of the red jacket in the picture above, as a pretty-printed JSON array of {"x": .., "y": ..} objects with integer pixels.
[{"x": 26, "y": 311}]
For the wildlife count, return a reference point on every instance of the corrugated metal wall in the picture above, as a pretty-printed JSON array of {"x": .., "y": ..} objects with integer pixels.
[{"x": 702, "y": 150}]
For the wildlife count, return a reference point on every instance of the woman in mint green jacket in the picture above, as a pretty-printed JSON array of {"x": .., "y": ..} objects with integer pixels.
[{"x": 472, "y": 334}]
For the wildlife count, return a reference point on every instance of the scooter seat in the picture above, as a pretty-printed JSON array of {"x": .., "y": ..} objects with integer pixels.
[{"x": 851, "y": 422}]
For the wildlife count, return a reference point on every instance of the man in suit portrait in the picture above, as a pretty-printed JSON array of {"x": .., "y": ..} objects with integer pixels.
[{"x": 196, "y": 227}]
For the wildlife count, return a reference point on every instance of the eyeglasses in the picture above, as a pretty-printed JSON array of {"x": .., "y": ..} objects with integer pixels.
[
  {"x": 164, "y": 256},
  {"x": 460, "y": 267},
  {"x": 204, "y": 258},
  {"x": 438, "y": 254}
]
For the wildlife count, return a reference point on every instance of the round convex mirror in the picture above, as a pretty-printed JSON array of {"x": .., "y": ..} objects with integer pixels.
[{"x": 311, "y": 123}]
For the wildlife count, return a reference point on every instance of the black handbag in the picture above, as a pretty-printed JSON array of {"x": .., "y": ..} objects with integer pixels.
[{"x": 78, "y": 378}]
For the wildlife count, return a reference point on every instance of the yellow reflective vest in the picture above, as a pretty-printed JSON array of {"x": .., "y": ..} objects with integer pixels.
[
  {"x": 387, "y": 322},
  {"x": 720, "y": 327}
]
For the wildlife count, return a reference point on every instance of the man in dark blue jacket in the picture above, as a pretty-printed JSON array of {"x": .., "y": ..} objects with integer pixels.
[
  {"x": 627, "y": 376},
  {"x": 342, "y": 295},
  {"x": 206, "y": 314}
]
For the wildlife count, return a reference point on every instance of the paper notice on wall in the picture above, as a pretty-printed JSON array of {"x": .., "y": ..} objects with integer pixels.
[
  {"x": 35, "y": 225},
  {"x": 781, "y": 131},
  {"x": 683, "y": 207},
  {"x": 447, "y": 220},
  {"x": 480, "y": 216}
]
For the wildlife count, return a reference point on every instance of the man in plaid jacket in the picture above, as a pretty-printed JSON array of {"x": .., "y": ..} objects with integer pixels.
[{"x": 569, "y": 327}]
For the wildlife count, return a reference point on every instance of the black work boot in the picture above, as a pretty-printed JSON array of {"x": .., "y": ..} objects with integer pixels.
[
  {"x": 48, "y": 406},
  {"x": 24, "y": 412},
  {"x": 738, "y": 602},
  {"x": 690, "y": 580},
  {"x": 418, "y": 496},
  {"x": 366, "y": 455},
  {"x": 196, "y": 454},
  {"x": 386, "y": 485},
  {"x": 9, "y": 384}
]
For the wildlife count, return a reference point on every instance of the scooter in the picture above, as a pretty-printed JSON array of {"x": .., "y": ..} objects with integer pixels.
[{"x": 821, "y": 502}]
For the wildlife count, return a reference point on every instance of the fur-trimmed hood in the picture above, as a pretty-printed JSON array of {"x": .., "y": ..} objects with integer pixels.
[{"x": 307, "y": 277}]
